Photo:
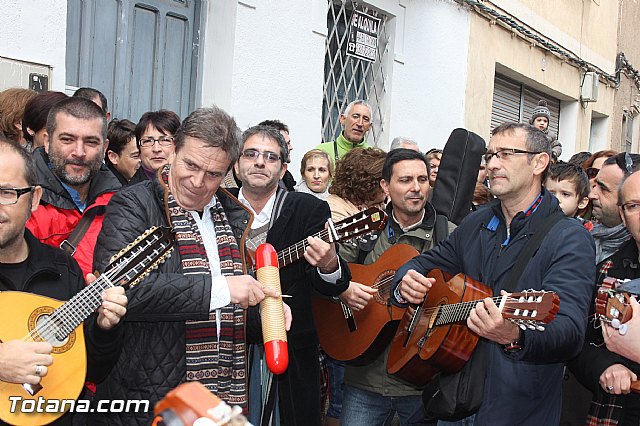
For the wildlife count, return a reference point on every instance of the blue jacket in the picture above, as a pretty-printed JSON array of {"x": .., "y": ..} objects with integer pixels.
[{"x": 523, "y": 388}]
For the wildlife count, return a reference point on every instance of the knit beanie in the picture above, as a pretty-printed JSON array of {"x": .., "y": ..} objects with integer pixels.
[{"x": 541, "y": 111}]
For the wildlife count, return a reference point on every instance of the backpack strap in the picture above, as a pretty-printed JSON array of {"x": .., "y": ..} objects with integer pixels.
[
  {"x": 530, "y": 250},
  {"x": 71, "y": 243}
]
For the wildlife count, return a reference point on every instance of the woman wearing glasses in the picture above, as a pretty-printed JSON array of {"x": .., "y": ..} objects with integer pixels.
[{"x": 154, "y": 134}]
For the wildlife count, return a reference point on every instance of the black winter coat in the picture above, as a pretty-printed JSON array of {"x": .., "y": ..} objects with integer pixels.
[
  {"x": 153, "y": 359},
  {"x": 595, "y": 358},
  {"x": 302, "y": 215}
]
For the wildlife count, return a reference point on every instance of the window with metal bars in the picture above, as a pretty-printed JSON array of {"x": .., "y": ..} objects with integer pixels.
[{"x": 347, "y": 78}]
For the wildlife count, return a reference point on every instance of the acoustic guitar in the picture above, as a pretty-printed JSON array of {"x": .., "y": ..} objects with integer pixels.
[
  {"x": 365, "y": 222},
  {"x": 361, "y": 336},
  {"x": 34, "y": 318},
  {"x": 613, "y": 308},
  {"x": 434, "y": 336}
]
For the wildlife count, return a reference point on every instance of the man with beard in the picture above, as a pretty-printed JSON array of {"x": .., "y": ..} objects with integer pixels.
[
  {"x": 29, "y": 266},
  {"x": 609, "y": 232},
  {"x": 371, "y": 395},
  {"x": 605, "y": 375},
  {"x": 76, "y": 184}
]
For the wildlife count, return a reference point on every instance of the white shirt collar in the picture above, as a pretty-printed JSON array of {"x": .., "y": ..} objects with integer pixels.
[
  {"x": 410, "y": 227},
  {"x": 259, "y": 219}
]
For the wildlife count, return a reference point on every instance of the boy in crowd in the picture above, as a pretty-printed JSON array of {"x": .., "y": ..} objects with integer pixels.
[{"x": 570, "y": 184}]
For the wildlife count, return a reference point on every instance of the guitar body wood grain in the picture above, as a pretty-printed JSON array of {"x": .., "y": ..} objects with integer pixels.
[
  {"x": 416, "y": 357},
  {"x": 375, "y": 324},
  {"x": 65, "y": 379}
]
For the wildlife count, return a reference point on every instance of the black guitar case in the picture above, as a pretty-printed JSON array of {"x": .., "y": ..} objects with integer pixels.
[{"x": 457, "y": 175}]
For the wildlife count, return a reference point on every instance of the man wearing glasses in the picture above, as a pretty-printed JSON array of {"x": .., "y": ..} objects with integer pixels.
[
  {"x": 29, "y": 266},
  {"x": 76, "y": 185},
  {"x": 607, "y": 375},
  {"x": 272, "y": 214},
  {"x": 525, "y": 367}
]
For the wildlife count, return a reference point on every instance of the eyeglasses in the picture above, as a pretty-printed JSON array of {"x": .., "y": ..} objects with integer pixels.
[
  {"x": 10, "y": 196},
  {"x": 631, "y": 207},
  {"x": 162, "y": 141},
  {"x": 504, "y": 154},
  {"x": 269, "y": 157},
  {"x": 592, "y": 172}
]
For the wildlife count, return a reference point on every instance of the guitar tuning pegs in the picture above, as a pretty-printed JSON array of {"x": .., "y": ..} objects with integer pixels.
[
  {"x": 522, "y": 326},
  {"x": 540, "y": 328},
  {"x": 615, "y": 323},
  {"x": 623, "y": 329}
]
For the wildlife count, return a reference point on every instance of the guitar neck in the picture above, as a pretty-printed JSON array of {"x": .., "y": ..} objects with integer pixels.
[
  {"x": 72, "y": 313},
  {"x": 294, "y": 252},
  {"x": 458, "y": 312}
]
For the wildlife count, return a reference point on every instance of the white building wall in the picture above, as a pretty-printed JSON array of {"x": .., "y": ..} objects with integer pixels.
[
  {"x": 429, "y": 73},
  {"x": 276, "y": 67},
  {"x": 35, "y": 31},
  {"x": 264, "y": 59}
]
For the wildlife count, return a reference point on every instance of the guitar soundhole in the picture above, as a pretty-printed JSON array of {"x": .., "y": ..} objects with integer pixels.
[
  {"x": 44, "y": 328},
  {"x": 383, "y": 285}
]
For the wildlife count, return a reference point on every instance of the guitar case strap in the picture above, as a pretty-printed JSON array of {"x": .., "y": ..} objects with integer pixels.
[{"x": 530, "y": 250}]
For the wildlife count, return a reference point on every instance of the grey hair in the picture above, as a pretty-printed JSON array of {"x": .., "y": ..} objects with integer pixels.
[
  {"x": 77, "y": 107},
  {"x": 357, "y": 102},
  {"x": 214, "y": 127},
  {"x": 271, "y": 133},
  {"x": 399, "y": 140},
  {"x": 535, "y": 139}
]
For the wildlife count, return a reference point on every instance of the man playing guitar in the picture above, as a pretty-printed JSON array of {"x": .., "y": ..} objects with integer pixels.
[
  {"x": 524, "y": 368},
  {"x": 370, "y": 394},
  {"x": 27, "y": 265}
]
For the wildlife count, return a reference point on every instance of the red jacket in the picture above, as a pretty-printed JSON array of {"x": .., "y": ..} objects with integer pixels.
[{"x": 57, "y": 215}]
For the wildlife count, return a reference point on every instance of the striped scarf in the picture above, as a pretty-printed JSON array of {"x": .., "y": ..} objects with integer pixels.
[{"x": 219, "y": 364}]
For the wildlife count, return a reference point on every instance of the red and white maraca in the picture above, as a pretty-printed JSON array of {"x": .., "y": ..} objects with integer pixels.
[{"x": 274, "y": 333}]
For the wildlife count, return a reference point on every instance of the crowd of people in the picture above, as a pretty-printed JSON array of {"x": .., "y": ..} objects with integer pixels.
[{"x": 77, "y": 188}]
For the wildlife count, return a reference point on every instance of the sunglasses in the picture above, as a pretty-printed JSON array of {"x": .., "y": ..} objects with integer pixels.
[{"x": 592, "y": 172}]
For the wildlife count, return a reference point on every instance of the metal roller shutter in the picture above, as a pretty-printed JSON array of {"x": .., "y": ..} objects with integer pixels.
[{"x": 513, "y": 101}]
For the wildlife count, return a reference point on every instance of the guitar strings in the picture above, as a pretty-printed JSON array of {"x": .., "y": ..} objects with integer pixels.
[
  {"x": 86, "y": 301},
  {"x": 91, "y": 303},
  {"x": 295, "y": 248},
  {"x": 324, "y": 235},
  {"x": 62, "y": 316},
  {"x": 460, "y": 311}
]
